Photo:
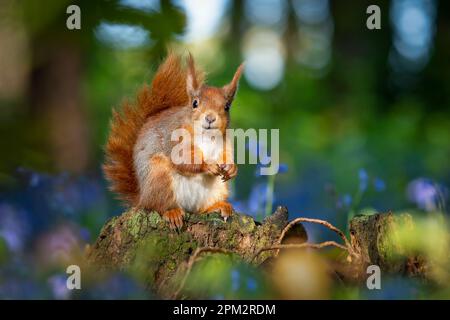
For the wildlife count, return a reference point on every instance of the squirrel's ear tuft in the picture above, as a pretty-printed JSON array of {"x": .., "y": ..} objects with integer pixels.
[
  {"x": 192, "y": 84},
  {"x": 231, "y": 88}
]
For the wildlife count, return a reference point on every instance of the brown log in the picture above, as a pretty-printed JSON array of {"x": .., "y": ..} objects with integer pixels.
[{"x": 141, "y": 241}]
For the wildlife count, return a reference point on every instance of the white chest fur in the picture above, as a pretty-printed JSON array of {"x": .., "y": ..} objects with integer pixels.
[
  {"x": 197, "y": 192},
  {"x": 211, "y": 145}
]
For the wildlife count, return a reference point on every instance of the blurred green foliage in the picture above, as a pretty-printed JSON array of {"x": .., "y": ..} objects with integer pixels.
[{"x": 58, "y": 88}]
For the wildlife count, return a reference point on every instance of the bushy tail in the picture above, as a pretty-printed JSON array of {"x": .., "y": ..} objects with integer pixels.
[{"x": 168, "y": 89}]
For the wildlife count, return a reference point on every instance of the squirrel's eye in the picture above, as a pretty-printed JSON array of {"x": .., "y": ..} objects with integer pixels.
[
  {"x": 195, "y": 103},
  {"x": 227, "y": 106}
]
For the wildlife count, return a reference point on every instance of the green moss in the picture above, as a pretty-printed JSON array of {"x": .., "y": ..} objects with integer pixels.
[
  {"x": 112, "y": 222},
  {"x": 134, "y": 224},
  {"x": 210, "y": 217},
  {"x": 154, "y": 219},
  {"x": 171, "y": 265},
  {"x": 361, "y": 218},
  {"x": 246, "y": 224},
  {"x": 160, "y": 254}
]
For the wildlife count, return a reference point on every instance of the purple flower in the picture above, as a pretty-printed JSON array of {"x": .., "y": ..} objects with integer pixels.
[
  {"x": 60, "y": 245},
  {"x": 13, "y": 227},
  {"x": 58, "y": 287},
  {"x": 426, "y": 194}
]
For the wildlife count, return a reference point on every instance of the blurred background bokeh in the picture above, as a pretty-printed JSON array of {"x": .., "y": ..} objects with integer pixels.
[{"x": 364, "y": 115}]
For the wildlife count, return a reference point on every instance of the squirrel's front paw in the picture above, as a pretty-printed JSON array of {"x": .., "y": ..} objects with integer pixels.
[
  {"x": 213, "y": 169},
  {"x": 228, "y": 171},
  {"x": 174, "y": 217},
  {"x": 225, "y": 209}
]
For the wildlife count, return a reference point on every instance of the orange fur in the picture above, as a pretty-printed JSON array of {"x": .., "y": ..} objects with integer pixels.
[
  {"x": 168, "y": 89},
  {"x": 223, "y": 207},
  {"x": 158, "y": 191},
  {"x": 174, "y": 217},
  {"x": 138, "y": 149}
]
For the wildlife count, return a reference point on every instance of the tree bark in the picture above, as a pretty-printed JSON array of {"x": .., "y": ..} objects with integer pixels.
[
  {"x": 142, "y": 241},
  {"x": 374, "y": 238}
]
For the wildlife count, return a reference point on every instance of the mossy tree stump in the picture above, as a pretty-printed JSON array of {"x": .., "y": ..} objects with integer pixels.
[
  {"x": 141, "y": 241},
  {"x": 374, "y": 239}
]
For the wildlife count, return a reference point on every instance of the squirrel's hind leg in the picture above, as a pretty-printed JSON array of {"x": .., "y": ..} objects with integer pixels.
[
  {"x": 225, "y": 209},
  {"x": 174, "y": 217},
  {"x": 157, "y": 192}
]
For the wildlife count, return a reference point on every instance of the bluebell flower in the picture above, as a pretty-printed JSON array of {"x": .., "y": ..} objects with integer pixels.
[
  {"x": 347, "y": 200},
  {"x": 239, "y": 206},
  {"x": 379, "y": 185},
  {"x": 85, "y": 234},
  {"x": 395, "y": 288},
  {"x": 58, "y": 287},
  {"x": 35, "y": 179},
  {"x": 363, "y": 179},
  {"x": 283, "y": 168},
  {"x": 257, "y": 199},
  {"x": 117, "y": 286},
  {"x": 235, "y": 280},
  {"x": 32, "y": 178},
  {"x": 426, "y": 194},
  {"x": 20, "y": 288},
  {"x": 14, "y": 228},
  {"x": 252, "y": 285}
]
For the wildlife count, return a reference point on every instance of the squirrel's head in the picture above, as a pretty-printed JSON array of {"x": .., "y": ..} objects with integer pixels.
[{"x": 210, "y": 105}]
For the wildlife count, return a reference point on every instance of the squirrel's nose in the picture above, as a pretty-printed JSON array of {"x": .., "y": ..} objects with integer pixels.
[{"x": 210, "y": 118}]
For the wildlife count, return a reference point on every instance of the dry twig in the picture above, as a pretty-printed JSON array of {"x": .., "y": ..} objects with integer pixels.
[
  {"x": 324, "y": 223},
  {"x": 299, "y": 246},
  {"x": 194, "y": 258}
]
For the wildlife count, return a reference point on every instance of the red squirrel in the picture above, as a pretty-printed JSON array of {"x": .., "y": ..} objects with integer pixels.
[{"x": 138, "y": 151}]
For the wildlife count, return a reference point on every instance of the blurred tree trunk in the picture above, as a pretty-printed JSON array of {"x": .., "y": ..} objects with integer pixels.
[{"x": 56, "y": 98}]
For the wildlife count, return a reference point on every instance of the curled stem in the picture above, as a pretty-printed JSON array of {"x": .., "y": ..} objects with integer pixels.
[{"x": 299, "y": 246}]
